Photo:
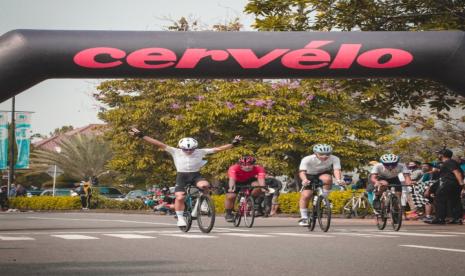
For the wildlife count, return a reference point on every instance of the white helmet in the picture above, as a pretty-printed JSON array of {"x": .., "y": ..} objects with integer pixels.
[
  {"x": 188, "y": 143},
  {"x": 389, "y": 158},
  {"x": 322, "y": 149}
]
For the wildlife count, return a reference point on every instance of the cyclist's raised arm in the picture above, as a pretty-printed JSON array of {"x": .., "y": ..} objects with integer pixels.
[
  {"x": 139, "y": 134},
  {"x": 233, "y": 143}
]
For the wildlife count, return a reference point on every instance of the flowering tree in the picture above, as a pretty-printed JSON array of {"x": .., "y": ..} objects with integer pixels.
[{"x": 280, "y": 121}]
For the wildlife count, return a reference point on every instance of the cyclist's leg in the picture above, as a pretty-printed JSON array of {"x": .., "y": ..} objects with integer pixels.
[
  {"x": 180, "y": 193},
  {"x": 379, "y": 190},
  {"x": 305, "y": 196},
  {"x": 229, "y": 202},
  {"x": 327, "y": 180}
]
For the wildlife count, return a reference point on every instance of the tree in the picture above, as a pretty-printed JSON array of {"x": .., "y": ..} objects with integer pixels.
[
  {"x": 61, "y": 130},
  {"x": 279, "y": 120},
  {"x": 81, "y": 156},
  {"x": 383, "y": 96}
]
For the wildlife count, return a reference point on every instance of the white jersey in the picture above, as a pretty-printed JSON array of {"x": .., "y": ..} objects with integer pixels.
[
  {"x": 381, "y": 171},
  {"x": 188, "y": 163},
  {"x": 312, "y": 165}
]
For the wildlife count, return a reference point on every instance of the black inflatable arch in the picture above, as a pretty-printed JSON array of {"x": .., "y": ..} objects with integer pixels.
[{"x": 28, "y": 57}]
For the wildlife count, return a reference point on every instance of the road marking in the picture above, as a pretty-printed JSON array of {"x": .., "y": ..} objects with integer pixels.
[
  {"x": 301, "y": 235},
  {"x": 129, "y": 236},
  {"x": 453, "y": 233},
  {"x": 433, "y": 248},
  {"x": 365, "y": 235},
  {"x": 248, "y": 235},
  {"x": 106, "y": 220},
  {"x": 4, "y": 238},
  {"x": 231, "y": 229},
  {"x": 75, "y": 237},
  {"x": 190, "y": 236},
  {"x": 418, "y": 234}
]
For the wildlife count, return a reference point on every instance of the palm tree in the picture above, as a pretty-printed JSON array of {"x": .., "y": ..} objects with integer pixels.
[{"x": 81, "y": 156}]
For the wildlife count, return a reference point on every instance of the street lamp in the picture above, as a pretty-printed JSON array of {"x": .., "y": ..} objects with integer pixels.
[{"x": 58, "y": 150}]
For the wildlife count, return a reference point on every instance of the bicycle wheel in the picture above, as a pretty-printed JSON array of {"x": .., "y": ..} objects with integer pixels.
[
  {"x": 324, "y": 213},
  {"x": 206, "y": 214},
  {"x": 249, "y": 212},
  {"x": 312, "y": 218},
  {"x": 362, "y": 207},
  {"x": 188, "y": 218},
  {"x": 237, "y": 213},
  {"x": 348, "y": 209},
  {"x": 396, "y": 213},
  {"x": 381, "y": 218}
]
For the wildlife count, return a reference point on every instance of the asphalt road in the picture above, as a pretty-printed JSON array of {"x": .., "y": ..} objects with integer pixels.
[{"x": 137, "y": 244}]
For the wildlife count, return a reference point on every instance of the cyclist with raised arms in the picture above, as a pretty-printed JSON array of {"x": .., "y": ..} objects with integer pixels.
[
  {"x": 319, "y": 166},
  {"x": 188, "y": 160},
  {"x": 385, "y": 174},
  {"x": 244, "y": 173}
]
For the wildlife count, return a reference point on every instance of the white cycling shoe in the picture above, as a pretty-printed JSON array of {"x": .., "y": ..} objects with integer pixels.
[
  {"x": 181, "y": 222},
  {"x": 303, "y": 222}
]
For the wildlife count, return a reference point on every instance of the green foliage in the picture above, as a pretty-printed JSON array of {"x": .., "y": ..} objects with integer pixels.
[
  {"x": 81, "y": 156},
  {"x": 280, "y": 121},
  {"x": 383, "y": 96},
  {"x": 45, "y": 203}
]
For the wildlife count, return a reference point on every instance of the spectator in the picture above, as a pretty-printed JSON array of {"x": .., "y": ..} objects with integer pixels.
[
  {"x": 12, "y": 190},
  {"x": 449, "y": 190},
  {"x": 85, "y": 192},
  {"x": 3, "y": 198},
  {"x": 271, "y": 199},
  {"x": 20, "y": 190},
  {"x": 370, "y": 185},
  {"x": 415, "y": 174}
]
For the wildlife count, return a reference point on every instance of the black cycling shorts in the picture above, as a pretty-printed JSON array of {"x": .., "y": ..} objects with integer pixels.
[
  {"x": 314, "y": 178},
  {"x": 241, "y": 184},
  {"x": 395, "y": 181},
  {"x": 187, "y": 178}
]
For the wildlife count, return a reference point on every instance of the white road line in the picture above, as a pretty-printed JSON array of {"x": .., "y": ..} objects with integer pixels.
[
  {"x": 365, "y": 235},
  {"x": 75, "y": 237},
  {"x": 433, "y": 248},
  {"x": 4, "y": 238},
  {"x": 231, "y": 229},
  {"x": 301, "y": 235},
  {"x": 190, "y": 236},
  {"x": 247, "y": 235},
  {"x": 453, "y": 233},
  {"x": 418, "y": 234},
  {"x": 129, "y": 236},
  {"x": 106, "y": 220}
]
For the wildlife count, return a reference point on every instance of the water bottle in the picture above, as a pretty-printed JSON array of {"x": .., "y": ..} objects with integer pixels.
[
  {"x": 196, "y": 207},
  {"x": 242, "y": 199}
]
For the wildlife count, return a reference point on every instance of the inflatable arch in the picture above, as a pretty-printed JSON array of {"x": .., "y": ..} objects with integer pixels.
[{"x": 28, "y": 57}]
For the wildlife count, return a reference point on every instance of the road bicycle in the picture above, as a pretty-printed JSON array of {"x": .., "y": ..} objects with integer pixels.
[
  {"x": 198, "y": 207},
  {"x": 390, "y": 207},
  {"x": 357, "y": 205},
  {"x": 244, "y": 207},
  {"x": 321, "y": 208}
]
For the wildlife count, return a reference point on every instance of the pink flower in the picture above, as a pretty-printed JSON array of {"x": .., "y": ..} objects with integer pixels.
[
  {"x": 175, "y": 106},
  {"x": 310, "y": 97},
  {"x": 292, "y": 130},
  {"x": 246, "y": 108},
  {"x": 200, "y": 97},
  {"x": 302, "y": 103},
  {"x": 230, "y": 105}
]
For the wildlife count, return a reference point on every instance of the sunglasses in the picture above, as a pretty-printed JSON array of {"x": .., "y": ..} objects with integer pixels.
[{"x": 390, "y": 165}]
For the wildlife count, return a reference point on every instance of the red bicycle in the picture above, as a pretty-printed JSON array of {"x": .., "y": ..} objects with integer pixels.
[{"x": 244, "y": 207}]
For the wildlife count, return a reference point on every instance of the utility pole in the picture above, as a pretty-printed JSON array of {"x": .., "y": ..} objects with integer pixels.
[{"x": 11, "y": 174}]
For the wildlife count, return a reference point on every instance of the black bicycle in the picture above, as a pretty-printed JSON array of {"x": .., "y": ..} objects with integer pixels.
[
  {"x": 198, "y": 207},
  {"x": 321, "y": 208},
  {"x": 391, "y": 206}
]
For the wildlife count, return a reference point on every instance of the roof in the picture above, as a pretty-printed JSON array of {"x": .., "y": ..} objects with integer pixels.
[{"x": 52, "y": 142}]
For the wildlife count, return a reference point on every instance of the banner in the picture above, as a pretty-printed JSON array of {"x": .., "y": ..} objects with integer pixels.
[
  {"x": 3, "y": 140},
  {"x": 23, "y": 142}
]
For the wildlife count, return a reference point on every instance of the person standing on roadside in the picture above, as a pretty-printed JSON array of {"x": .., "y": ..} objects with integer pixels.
[{"x": 450, "y": 189}]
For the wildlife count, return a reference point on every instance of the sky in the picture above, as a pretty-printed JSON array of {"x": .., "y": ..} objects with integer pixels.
[{"x": 60, "y": 102}]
